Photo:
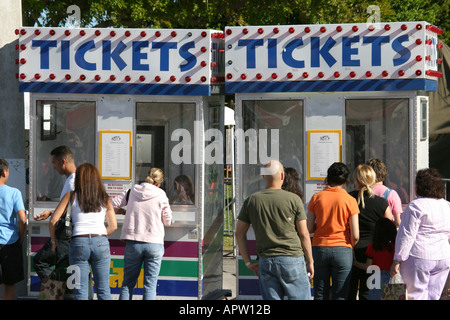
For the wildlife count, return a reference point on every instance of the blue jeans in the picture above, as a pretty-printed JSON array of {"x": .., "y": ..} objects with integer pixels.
[
  {"x": 283, "y": 276},
  {"x": 135, "y": 254},
  {"x": 335, "y": 263},
  {"x": 86, "y": 252}
]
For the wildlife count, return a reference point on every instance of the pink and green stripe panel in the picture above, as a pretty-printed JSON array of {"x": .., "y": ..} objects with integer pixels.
[{"x": 178, "y": 276}]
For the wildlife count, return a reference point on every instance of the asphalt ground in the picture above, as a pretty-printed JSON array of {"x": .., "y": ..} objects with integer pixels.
[{"x": 229, "y": 274}]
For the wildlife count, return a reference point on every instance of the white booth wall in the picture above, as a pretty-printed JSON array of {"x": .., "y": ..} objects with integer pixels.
[{"x": 192, "y": 265}]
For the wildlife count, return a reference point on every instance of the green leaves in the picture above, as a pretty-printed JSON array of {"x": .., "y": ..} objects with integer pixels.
[{"x": 216, "y": 14}]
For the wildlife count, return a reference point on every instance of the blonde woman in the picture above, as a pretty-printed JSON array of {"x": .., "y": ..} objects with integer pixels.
[
  {"x": 147, "y": 213},
  {"x": 371, "y": 209}
]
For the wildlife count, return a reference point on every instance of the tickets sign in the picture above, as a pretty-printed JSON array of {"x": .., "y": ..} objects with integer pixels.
[
  {"x": 122, "y": 61},
  {"x": 344, "y": 57}
]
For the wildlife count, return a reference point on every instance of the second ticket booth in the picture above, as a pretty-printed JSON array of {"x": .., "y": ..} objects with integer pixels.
[
  {"x": 128, "y": 100},
  {"x": 311, "y": 95}
]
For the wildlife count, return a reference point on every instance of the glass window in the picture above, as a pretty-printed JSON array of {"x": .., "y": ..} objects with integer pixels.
[
  {"x": 165, "y": 139},
  {"x": 423, "y": 119},
  {"x": 70, "y": 123},
  {"x": 379, "y": 128},
  {"x": 213, "y": 181},
  {"x": 283, "y": 120}
]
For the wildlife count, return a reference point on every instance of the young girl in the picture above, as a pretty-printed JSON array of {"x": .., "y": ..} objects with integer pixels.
[{"x": 380, "y": 253}]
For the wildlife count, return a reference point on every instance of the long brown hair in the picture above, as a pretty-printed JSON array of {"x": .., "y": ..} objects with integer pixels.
[
  {"x": 89, "y": 188},
  {"x": 187, "y": 184},
  {"x": 291, "y": 182}
]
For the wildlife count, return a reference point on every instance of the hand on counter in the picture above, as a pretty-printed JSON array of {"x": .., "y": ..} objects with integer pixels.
[{"x": 44, "y": 215}]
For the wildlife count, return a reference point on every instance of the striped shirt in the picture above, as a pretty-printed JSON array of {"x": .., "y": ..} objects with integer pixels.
[{"x": 424, "y": 231}]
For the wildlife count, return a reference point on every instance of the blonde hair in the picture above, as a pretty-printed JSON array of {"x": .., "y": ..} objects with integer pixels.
[
  {"x": 154, "y": 176},
  {"x": 366, "y": 177}
]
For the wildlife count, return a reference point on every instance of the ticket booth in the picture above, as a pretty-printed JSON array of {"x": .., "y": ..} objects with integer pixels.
[
  {"x": 128, "y": 100},
  {"x": 311, "y": 95}
]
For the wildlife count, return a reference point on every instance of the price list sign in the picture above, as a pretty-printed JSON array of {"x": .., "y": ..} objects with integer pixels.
[{"x": 115, "y": 155}]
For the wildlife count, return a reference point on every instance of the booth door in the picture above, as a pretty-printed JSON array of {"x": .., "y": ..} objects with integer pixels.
[
  {"x": 272, "y": 129},
  {"x": 164, "y": 135},
  {"x": 57, "y": 123},
  {"x": 150, "y": 149},
  {"x": 267, "y": 129},
  {"x": 379, "y": 128}
]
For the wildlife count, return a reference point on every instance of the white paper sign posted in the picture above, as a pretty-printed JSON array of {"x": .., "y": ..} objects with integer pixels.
[
  {"x": 115, "y": 157},
  {"x": 324, "y": 148}
]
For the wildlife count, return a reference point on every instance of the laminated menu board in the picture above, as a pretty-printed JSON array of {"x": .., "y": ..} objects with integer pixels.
[
  {"x": 115, "y": 155},
  {"x": 324, "y": 148}
]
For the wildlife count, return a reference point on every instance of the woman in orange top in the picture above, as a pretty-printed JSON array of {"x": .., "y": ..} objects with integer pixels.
[{"x": 333, "y": 219}]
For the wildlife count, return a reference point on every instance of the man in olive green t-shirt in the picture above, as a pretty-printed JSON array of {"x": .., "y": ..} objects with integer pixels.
[{"x": 283, "y": 242}]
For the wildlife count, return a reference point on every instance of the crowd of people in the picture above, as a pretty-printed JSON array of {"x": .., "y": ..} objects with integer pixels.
[
  {"x": 93, "y": 215},
  {"x": 333, "y": 242},
  {"x": 349, "y": 232}
]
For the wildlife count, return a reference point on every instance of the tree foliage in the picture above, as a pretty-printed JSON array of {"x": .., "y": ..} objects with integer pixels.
[{"x": 216, "y": 14}]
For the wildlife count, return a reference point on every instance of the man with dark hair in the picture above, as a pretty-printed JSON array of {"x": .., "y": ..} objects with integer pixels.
[
  {"x": 13, "y": 222},
  {"x": 63, "y": 162}
]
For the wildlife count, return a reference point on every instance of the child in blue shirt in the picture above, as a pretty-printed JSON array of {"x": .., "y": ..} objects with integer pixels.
[{"x": 12, "y": 229}]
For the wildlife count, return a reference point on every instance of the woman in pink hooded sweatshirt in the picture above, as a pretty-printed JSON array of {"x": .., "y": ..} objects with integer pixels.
[{"x": 147, "y": 213}]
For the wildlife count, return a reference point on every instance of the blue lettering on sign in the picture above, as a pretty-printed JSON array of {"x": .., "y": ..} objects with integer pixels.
[
  {"x": 191, "y": 60},
  {"x": 44, "y": 53},
  {"x": 376, "y": 48},
  {"x": 272, "y": 50},
  {"x": 112, "y": 54},
  {"x": 251, "y": 45},
  {"x": 321, "y": 49},
  {"x": 65, "y": 55},
  {"x": 81, "y": 52},
  {"x": 348, "y": 51},
  {"x": 287, "y": 54},
  {"x": 115, "y": 55},
  {"x": 138, "y": 55},
  {"x": 164, "y": 54},
  {"x": 316, "y": 52},
  {"x": 405, "y": 54}
]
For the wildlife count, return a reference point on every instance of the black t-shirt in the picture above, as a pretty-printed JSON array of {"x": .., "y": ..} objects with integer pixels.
[{"x": 375, "y": 207}]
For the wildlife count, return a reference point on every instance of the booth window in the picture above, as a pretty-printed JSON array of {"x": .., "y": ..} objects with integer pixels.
[
  {"x": 70, "y": 123},
  {"x": 165, "y": 139},
  {"x": 423, "y": 119},
  {"x": 48, "y": 122},
  {"x": 272, "y": 129},
  {"x": 379, "y": 128}
]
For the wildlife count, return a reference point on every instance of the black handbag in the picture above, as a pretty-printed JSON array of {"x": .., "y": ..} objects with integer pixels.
[{"x": 64, "y": 226}]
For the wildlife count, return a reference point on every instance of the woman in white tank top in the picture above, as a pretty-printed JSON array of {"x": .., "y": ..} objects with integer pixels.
[{"x": 89, "y": 246}]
